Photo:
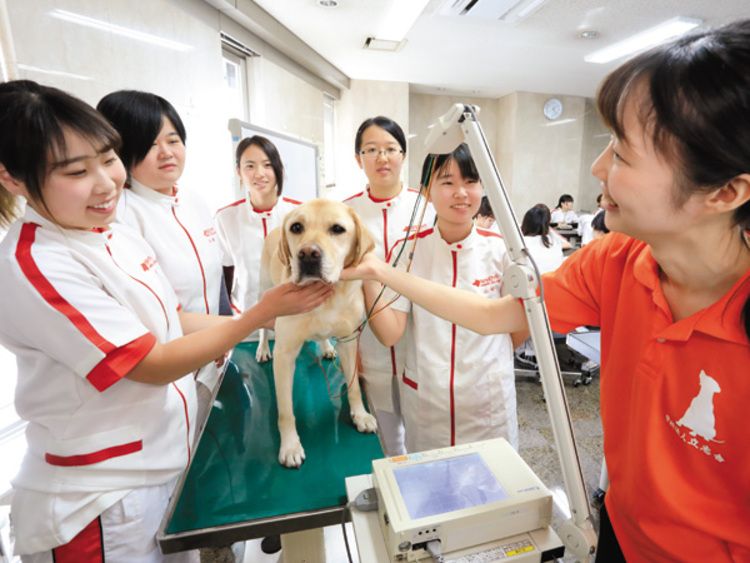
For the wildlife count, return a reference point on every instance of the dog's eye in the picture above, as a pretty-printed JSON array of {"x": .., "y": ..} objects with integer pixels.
[
  {"x": 296, "y": 228},
  {"x": 337, "y": 229}
]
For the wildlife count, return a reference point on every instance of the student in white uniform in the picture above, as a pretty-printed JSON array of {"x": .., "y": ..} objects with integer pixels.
[
  {"x": 485, "y": 217},
  {"x": 545, "y": 246},
  {"x": 175, "y": 222},
  {"x": 104, "y": 369},
  {"x": 243, "y": 225},
  {"x": 387, "y": 208},
  {"x": 563, "y": 214},
  {"x": 599, "y": 226},
  {"x": 457, "y": 386},
  {"x": 584, "y": 223}
]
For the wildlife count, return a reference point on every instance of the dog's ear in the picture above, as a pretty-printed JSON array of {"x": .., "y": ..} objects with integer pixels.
[
  {"x": 363, "y": 241},
  {"x": 283, "y": 252}
]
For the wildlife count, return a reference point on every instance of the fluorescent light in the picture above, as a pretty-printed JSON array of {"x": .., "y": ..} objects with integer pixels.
[
  {"x": 399, "y": 18},
  {"x": 529, "y": 9},
  {"x": 53, "y": 72},
  {"x": 640, "y": 41},
  {"x": 119, "y": 30}
]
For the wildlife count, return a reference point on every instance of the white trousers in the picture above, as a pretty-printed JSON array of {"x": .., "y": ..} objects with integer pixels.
[{"x": 125, "y": 533}]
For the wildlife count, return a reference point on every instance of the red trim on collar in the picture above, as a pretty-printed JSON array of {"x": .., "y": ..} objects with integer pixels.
[
  {"x": 379, "y": 200},
  {"x": 235, "y": 204},
  {"x": 360, "y": 194},
  {"x": 486, "y": 233}
]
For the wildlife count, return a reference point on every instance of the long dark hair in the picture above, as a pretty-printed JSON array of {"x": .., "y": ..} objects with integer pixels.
[
  {"x": 536, "y": 223},
  {"x": 32, "y": 135},
  {"x": 271, "y": 152},
  {"x": 697, "y": 111}
]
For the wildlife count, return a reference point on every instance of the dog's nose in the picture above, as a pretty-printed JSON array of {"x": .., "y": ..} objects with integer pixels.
[{"x": 309, "y": 254}]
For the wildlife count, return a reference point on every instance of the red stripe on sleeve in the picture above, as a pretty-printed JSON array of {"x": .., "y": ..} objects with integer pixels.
[
  {"x": 94, "y": 457},
  {"x": 120, "y": 362},
  {"x": 86, "y": 546},
  {"x": 49, "y": 293}
]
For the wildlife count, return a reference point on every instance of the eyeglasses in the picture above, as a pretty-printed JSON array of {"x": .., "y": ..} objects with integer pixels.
[{"x": 372, "y": 153}]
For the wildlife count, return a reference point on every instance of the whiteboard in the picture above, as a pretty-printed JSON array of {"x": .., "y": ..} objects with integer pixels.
[{"x": 300, "y": 158}]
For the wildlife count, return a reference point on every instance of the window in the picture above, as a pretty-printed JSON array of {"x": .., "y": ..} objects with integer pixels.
[{"x": 235, "y": 89}]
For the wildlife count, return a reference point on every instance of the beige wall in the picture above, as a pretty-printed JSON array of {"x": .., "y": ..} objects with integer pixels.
[
  {"x": 546, "y": 154},
  {"x": 595, "y": 139},
  {"x": 538, "y": 159},
  {"x": 365, "y": 99},
  {"x": 281, "y": 101},
  {"x": 425, "y": 108}
]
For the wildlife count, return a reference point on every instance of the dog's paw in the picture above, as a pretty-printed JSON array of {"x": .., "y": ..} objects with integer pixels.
[
  {"x": 365, "y": 422},
  {"x": 291, "y": 455},
  {"x": 263, "y": 353},
  {"x": 327, "y": 349}
]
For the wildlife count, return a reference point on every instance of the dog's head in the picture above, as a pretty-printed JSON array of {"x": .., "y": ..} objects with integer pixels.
[{"x": 319, "y": 239}]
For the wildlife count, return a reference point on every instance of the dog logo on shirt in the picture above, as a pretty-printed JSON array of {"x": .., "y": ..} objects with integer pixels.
[
  {"x": 699, "y": 416},
  {"x": 698, "y": 421}
]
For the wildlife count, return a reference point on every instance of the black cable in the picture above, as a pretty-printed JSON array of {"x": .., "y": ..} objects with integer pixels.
[{"x": 343, "y": 530}]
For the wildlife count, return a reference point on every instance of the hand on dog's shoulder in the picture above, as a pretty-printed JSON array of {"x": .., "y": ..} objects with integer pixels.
[{"x": 366, "y": 269}]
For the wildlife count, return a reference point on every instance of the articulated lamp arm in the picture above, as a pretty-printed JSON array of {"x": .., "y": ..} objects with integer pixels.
[{"x": 461, "y": 124}]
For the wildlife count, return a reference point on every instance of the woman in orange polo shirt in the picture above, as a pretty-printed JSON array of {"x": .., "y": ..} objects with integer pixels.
[{"x": 670, "y": 289}]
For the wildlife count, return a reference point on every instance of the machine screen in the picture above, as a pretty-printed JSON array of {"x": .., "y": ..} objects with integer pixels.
[{"x": 437, "y": 487}]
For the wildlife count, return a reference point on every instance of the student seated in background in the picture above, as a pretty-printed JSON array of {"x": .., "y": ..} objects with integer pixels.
[
  {"x": 584, "y": 223},
  {"x": 563, "y": 214},
  {"x": 485, "y": 217},
  {"x": 457, "y": 386},
  {"x": 545, "y": 246},
  {"x": 598, "y": 226}
]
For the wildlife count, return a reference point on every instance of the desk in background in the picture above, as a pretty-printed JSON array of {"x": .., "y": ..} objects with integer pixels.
[
  {"x": 570, "y": 234},
  {"x": 235, "y": 488}
]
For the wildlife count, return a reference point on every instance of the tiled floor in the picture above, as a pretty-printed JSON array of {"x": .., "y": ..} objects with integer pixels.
[{"x": 536, "y": 447}]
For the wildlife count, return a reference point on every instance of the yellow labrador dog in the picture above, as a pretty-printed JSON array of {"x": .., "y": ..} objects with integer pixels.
[{"x": 315, "y": 242}]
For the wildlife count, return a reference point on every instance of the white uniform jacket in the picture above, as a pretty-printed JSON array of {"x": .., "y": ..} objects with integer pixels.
[
  {"x": 388, "y": 220},
  {"x": 457, "y": 386},
  {"x": 560, "y": 216},
  {"x": 80, "y": 309},
  {"x": 242, "y": 229},
  {"x": 180, "y": 229},
  {"x": 548, "y": 259}
]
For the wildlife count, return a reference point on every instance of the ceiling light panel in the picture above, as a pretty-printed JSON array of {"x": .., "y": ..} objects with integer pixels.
[{"x": 643, "y": 40}]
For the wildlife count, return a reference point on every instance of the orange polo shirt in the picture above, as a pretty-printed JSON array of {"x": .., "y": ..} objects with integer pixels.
[{"x": 675, "y": 398}]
